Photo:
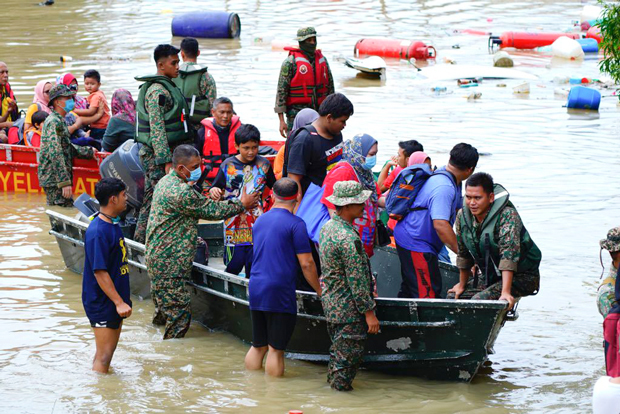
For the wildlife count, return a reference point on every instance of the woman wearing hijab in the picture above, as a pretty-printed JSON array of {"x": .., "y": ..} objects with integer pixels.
[
  {"x": 359, "y": 156},
  {"x": 304, "y": 117},
  {"x": 122, "y": 125},
  {"x": 70, "y": 80},
  {"x": 419, "y": 157},
  {"x": 40, "y": 101}
]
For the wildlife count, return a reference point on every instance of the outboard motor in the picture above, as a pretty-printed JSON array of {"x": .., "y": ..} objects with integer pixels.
[{"x": 124, "y": 164}]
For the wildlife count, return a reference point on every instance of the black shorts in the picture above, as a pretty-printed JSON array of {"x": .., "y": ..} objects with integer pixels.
[
  {"x": 112, "y": 323},
  {"x": 272, "y": 328}
]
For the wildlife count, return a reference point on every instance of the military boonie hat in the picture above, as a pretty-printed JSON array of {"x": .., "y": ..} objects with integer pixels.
[
  {"x": 58, "y": 91},
  {"x": 612, "y": 242},
  {"x": 305, "y": 33},
  {"x": 348, "y": 192}
]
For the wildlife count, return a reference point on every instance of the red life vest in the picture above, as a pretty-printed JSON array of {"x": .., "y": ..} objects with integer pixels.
[
  {"x": 211, "y": 150},
  {"x": 611, "y": 333},
  {"x": 308, "y": 87}
]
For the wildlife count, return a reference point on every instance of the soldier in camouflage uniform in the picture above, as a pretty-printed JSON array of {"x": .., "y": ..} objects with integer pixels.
[
  {"x": 307, "y": 46},
  {"x": 347, "y": 297},
  {"x": 491, "y": 235},
  {"x": 156, "y": 154},
  {"x": 55, "y": 170},
  {"x": 172, "y": 235},
  {"x": 606, "y": 294}
]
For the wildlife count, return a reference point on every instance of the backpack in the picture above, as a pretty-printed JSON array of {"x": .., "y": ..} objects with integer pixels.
[
  {"x": 16, "y": 132},
  {"x": 406, "y": 188}
]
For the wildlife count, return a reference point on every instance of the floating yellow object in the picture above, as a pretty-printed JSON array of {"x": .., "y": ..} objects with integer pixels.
[{"x": 166, "y": 11}]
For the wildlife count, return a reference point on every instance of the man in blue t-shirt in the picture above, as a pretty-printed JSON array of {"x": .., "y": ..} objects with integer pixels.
[
  {"x": 105, "y": 286},
  {"x": 281, "y": 246},
  {"x": 421, "y": 235}
]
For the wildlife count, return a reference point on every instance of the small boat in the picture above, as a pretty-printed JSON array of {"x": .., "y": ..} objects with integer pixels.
[
  {"x": 19, "y": 164},
  {"x": 373, "y": 65},
  {"x": 433, "y": 338}
]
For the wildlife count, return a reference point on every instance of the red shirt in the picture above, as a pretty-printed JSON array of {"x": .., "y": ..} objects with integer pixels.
[{"x": 392, "y": 176}]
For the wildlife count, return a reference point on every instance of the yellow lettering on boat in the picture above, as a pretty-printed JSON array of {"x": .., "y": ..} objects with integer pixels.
[
  {"x": 5, "y": 179},
  {"x": 92, "y": 182},
  {"x": 18, "y": 180},
  {"x": 79, "y": 186},
  {"x": 29, "y": 187}
]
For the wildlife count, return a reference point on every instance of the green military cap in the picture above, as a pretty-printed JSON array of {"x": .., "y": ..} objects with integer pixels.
[
  {"x": 59, "y": 90},
  {"x": 305, "y": 33},
  {"x": 612, "y": 242},
  {"x": 348, "y": 192}
]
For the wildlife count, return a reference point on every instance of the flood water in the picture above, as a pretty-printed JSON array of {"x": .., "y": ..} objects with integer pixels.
[{"x": 560, "y": 169}]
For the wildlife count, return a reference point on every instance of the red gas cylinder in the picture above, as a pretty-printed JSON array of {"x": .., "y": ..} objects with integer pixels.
[
  {"x": 594, "y": 32},
  {"x": 401, "y": 49},
  {"x": 526, "y": 40}
]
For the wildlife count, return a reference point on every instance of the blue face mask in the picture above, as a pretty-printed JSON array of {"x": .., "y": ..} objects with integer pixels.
[
  {"x": 69, "y": 105},
  {"x": 370, "y": 162},
  {"x": 193, "y": 175}
]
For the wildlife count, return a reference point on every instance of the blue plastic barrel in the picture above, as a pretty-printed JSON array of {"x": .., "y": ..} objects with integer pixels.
[
  {"x": 581, "y": 97},
  {"x": 588, "y": 45},
  {"x": 208, "y": 24}
]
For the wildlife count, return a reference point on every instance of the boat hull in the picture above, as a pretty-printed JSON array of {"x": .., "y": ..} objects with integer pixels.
[{"x": 433, "y": 338}]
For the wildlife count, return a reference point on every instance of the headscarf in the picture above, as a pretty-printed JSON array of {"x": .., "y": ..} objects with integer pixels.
[
  {"x": 123, "y": 106},
  {"x": 417, "y": 157},
  {"x": 40, "y": 98},
  {"x": 304, "y": 117},
  {"x": 65, "y": 79},
  {"x": 353, "y": 153}
]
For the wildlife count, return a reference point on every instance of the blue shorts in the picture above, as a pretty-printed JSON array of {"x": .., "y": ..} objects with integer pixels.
[{"x": 111, "y": 323}]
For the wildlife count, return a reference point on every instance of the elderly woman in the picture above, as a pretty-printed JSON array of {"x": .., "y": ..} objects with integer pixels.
[{"x": 122, "y": 125}]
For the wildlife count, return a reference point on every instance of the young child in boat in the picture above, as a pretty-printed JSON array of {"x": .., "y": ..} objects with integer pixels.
[
  {"x": 96, "y": 98},
  {"x": 32, "y": 136},
  {"x": 250, "y": 170}
]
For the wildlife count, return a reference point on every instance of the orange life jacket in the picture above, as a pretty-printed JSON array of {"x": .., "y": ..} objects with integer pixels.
[
  {"x": 308, "y": 87},
  {"x": 211, "y": 150}
]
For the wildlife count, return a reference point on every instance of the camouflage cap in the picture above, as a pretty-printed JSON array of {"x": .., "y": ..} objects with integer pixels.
[
  {"x": 305, "y": 33},
  {"x": 612, "y": 242},
  {"x": 348, "y": 192},
  {"x": 59, "y": 90}
]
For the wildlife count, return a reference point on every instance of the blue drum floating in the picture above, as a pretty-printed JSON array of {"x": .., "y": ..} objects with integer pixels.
[
  {"x": 207, "y": 24},
  {"x": 581, "y": 97},
  {"x": 588, "y": 45}
]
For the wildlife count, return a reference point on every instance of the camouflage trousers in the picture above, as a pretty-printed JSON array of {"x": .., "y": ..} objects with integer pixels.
[
  {"x": 346, "y": 353},
  {"x": 55, "y": 198},
  {"x": 172, "y": 305},
  {"x": 523, "y": 284},
  {"x": 291, "y": 113},
  {"x": 152, "y": 174}
]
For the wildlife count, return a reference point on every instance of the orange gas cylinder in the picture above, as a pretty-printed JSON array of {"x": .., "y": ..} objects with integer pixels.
[
  {"x": 401, "y": 49},
  {"x": 527, "y": 40},
  {"x": 594, "y": 32}
]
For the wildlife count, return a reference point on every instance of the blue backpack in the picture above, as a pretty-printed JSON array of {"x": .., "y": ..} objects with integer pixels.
[{"x": 406, "y": 187}]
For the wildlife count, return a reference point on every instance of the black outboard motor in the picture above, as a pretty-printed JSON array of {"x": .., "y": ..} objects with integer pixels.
[{"x": 124, "y": 164}]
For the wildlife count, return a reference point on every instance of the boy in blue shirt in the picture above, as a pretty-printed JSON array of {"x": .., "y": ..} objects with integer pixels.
[
  {"x": 105, "y": 286},
  {"x": 250, "y": 170},
  {"x": 422, "y": 234},
  {"x": 281, "y": 247}
]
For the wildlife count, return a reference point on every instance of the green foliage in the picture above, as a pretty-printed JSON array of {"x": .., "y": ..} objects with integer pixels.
[{"x": 610, "y": 32}]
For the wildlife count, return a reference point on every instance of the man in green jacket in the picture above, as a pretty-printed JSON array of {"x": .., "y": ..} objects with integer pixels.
[
  {"x": 55, "y": 169},
  {"x": 162, "y": 125},
  {"x": 347, "y": 297},
  {"x": 196, "y": 83},
  {"x": 491, "y": 235},
  {"x": 172, "y": 233}
]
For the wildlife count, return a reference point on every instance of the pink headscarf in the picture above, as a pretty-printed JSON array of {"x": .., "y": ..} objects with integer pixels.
[
  {"x": 123, "y": 106},
  {"x": 41, "y": 98},
  {"x": 417, "y": 157}
]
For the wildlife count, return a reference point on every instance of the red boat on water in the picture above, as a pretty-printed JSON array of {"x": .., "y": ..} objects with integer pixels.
[{"x": 18, "y": 169}]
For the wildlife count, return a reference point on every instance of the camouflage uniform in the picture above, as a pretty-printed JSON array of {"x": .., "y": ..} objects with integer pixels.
[
  {"x": 171, "y": 245},
  {"x": 209, "y": 90},
  {"x": 508, "y": 234},
  {"x": 347, "y": 295},
  {"x": 606, "y": 294},
  {"x": 56, "y": 159},
  {"x": 154, "y": 159},
  {"x": 287, "y": 73}
]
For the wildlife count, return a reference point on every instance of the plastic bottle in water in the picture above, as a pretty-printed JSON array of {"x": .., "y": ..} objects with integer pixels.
[{"x": 439, "y": 90}]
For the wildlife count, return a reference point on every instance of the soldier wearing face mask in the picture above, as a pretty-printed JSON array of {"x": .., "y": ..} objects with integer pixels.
[
  {"x": 57, "y": 152},
  {"x": 305, "y": 79}
]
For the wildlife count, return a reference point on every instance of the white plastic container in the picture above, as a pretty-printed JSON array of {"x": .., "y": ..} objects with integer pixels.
[
  {"x": 590, "y": 12},
  {"x": 567, "y": 48},
  {"x": 502, "y": 60},
  {"x": 523, "y": 88}
]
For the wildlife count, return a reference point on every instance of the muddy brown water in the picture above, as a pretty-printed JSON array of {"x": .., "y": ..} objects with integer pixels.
[{"x": 560, "y": 169}]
